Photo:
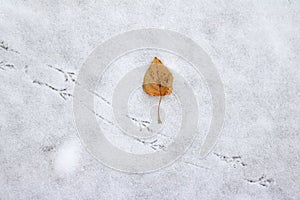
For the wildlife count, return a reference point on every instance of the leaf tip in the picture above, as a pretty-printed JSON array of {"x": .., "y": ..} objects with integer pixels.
[{"x": 156, "y": 61}]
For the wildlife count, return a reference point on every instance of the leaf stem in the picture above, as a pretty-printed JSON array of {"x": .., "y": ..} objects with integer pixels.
[{"x": 159, "y": 120}]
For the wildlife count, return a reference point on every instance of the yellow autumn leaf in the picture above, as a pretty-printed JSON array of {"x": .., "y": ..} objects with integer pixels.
[{"x": 158, "y": 81}]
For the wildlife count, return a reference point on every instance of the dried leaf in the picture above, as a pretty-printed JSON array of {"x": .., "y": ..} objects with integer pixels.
[{"x": 158, "y": 81}]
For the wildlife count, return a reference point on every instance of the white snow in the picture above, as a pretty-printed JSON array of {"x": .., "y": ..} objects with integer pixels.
[{"x": 68, "y": 157}]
